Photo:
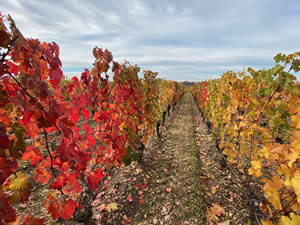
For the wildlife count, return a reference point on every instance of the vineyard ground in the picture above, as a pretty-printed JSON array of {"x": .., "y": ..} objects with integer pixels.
[{"x": 181, "y": 181}]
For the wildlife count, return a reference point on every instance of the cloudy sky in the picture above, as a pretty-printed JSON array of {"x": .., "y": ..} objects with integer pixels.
[{"x": 182, "y": 40}]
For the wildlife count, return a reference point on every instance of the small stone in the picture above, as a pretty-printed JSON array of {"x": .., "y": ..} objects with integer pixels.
[
  {"x": 155, "y": 221},
  {"x": 167, "y": 218},
  {"x": 177, "y": 203}
]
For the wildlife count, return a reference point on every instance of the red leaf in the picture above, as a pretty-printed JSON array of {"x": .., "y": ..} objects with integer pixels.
[
  {"x": 54, "y": 209},
  {"x": 68, "y": 209},
  {"x": 86, "y": 113},
  {"x": 74, "y": 115},
  {"x": 59, "y": 182},
  {"x": 12, "y": 68},
  {"x": 129, "y": 198},
  {"x": 7, "y": 214},
  {"x": 4, "y": 141},
  {"x": 74, "y": 185},
  {"x": 6, "y": 168},
  {"x": 30, "y": 220},
  {"x": 85, "y": 77},
  {"x": 43, "y": 123},
  {"x": 141, "y": 201},
  {"x": 55, "y": 76},
  {"x": 42, "y": 175},
  {"x": 3, "y": 69},
  {"x": 52, "y": 205},
  {"x": 54, "y": 112},
  {"x": 26, "y": 117},
  {"x": 33, "y": 155},
  {"x": 89, "y": 137},
  {"x": 4, "y": 37},
  {"x": 94, "y": 177},
  {"x": 101, "y": 116}
]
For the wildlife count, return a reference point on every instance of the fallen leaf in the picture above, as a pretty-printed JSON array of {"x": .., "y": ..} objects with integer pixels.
[
  {"x": 219, "y": 210},
  {"x": 168, "y": 190},
  {"x": 100, "y": 194},
  {"x": 141, "y": 201},
  {"x": 101, "y": 207},
  {"x": 129, "y": 198},
  {"x": 138, "y": 171},
  {"x": 96, "y": 202},
  {"x": 214, "y": 189},
  {"x": 212, "y": 213},
  {"x": 112, "y": 207},
  {"x": 133, "y": 166}
]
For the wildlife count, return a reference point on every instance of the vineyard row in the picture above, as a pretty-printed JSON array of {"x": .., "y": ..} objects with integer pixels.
[
  {"x": 255, "y": 118},
  {"x": 78, "y": 129}
]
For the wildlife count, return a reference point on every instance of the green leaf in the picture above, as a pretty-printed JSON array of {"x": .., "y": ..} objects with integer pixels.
[
  {"x": 296, "y": 66},
  {"x": 264, "y": 92},
  {"x": 280, "y": 57}
]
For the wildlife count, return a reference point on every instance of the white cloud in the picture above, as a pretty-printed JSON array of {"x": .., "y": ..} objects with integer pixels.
[{"x": 179, "y": 39}]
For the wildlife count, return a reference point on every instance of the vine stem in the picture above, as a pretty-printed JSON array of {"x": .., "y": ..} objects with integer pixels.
[
  {"x": 51, "y": 158},
  {"x": 49, "y": 152}
]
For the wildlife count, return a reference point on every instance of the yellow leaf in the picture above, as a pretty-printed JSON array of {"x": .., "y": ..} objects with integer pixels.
[
  {"x": 112, "y": 207},
  {"x": 122, "y": 126},
  {"x": 19, "y": 188},
  {"x": 271, "y": 188},
  {"x": 265, "y": 222},
  {"x": 248, "y": 223},
  {"x": 284, "y": 220},
  {"x": 255, "y": 169},
  {"x": 296, "y": 184},
  {"x": 244, "y": 149},
  {"x": 296, "y": 207},
  {"x": 279, "y": 151},
  {"x": 265, "y": 151},
  {"x": 285, "y": 171},
  {"x": 293, "y": 155}
]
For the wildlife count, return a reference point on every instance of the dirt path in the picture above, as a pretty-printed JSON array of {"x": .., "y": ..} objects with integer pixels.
[
  {"x": 174, "y": 194},
  {"x": 223, "y": 187}
]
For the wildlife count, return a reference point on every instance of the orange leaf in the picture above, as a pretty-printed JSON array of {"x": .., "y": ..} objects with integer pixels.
[
  {"x": 30, "y": 220},
  {"x": 42, "y": 175}
]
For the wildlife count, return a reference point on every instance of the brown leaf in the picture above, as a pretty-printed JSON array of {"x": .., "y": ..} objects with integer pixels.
[
  {"x": 212, "y": 213},
  {"x": 168, "y": 190}
]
